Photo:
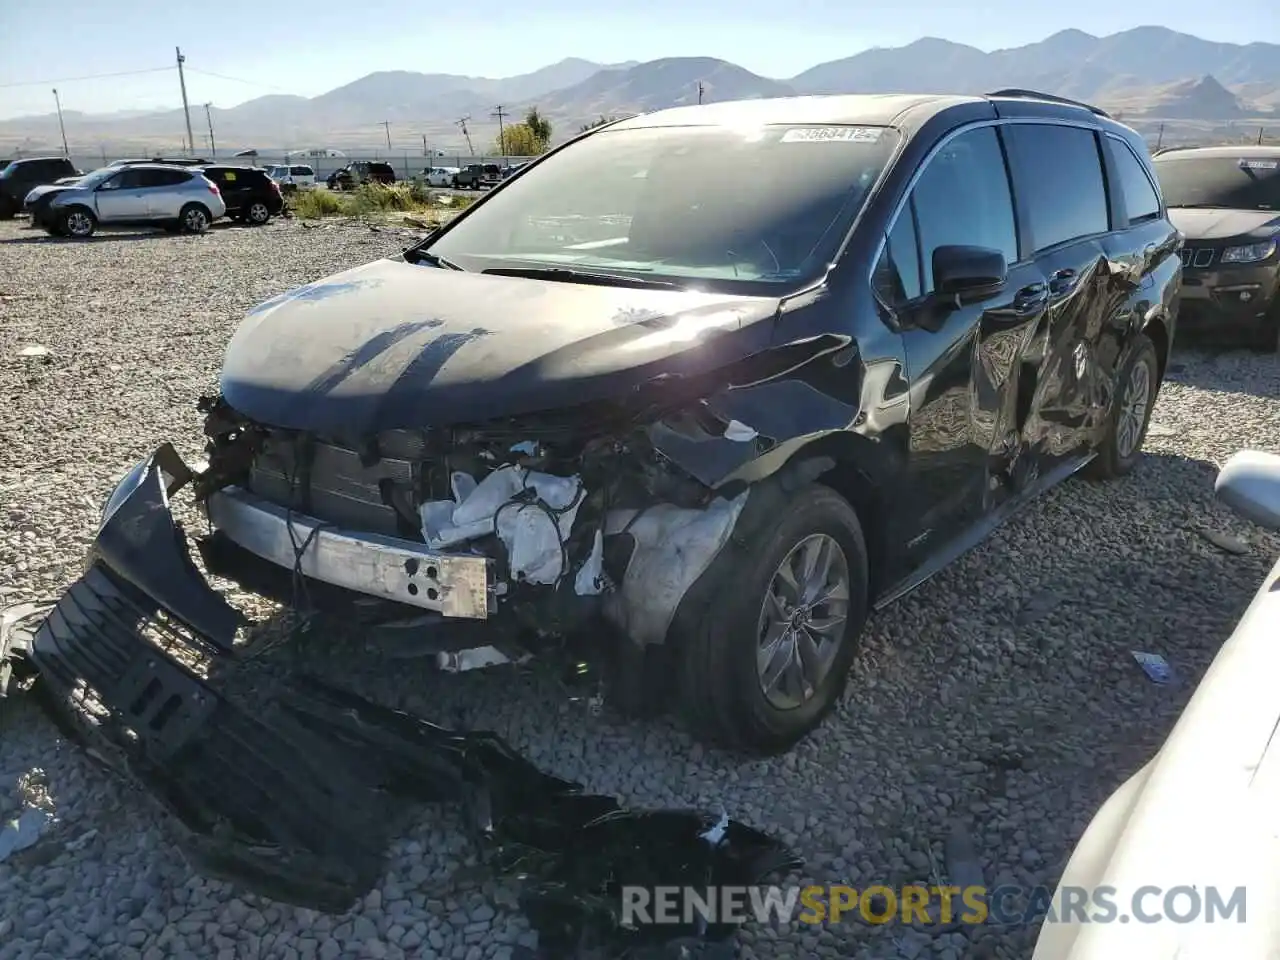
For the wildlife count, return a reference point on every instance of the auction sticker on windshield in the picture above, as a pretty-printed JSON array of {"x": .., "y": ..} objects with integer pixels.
[
  {"x": 832, "y": 134},
  {"x": 1259, "y": 164}
]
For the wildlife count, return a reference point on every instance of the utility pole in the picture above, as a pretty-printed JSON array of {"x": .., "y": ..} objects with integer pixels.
[
  {"x": 699, "y": 91},
  {"x": 186, "y": 107},
  {"x": 1261, "y": 130},
  {"x": 67, "y": 153},
  {"x": 386, "y": 124},
  {"x": 462, "y": 122},
  {"x": 213, "y": 147},
  {"x": 502, "y": 133},
  {"x": 1160, "y": 138},
  {"x": 424, "y": 144}
]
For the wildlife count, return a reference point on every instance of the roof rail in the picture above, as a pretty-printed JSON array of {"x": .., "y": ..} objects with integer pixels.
[{"x": 1018, "y": 93}]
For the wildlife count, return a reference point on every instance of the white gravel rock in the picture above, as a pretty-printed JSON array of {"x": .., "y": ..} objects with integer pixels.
[{"x": 1002, "y": 692}]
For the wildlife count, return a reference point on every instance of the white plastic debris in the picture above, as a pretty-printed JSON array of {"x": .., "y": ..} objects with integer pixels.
[
  {"x": 23, "y": 832},
  {"x": 533, "y": 530},
  {"x": 38, "y": 350},
  {"x": 589, "y": 580},
  {"x": 740, "y": 432},
  {"x": 716, "y": 833}
]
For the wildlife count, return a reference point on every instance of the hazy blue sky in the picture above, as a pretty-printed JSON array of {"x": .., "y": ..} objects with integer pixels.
[{"x": 295, "y": 46}]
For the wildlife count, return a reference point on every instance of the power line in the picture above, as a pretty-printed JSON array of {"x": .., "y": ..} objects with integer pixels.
[
  {"x": 95, "y": 76},
  {"x": 223, "y": 76}
]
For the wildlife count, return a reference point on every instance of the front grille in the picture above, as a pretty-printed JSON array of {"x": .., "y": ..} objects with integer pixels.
[
  {"x": 1200, "y": 257},
  {"x": 331, "y": 483}
]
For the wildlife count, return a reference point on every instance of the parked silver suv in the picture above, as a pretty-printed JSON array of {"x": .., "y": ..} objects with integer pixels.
[{"x": 175, "y": 198}]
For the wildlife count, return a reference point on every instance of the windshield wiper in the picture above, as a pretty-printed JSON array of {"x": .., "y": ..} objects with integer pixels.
[
  {"x": 564, "y": 275},
  {"x": 421, "y": 256}
]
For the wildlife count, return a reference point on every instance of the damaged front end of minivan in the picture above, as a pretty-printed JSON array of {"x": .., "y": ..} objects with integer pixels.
[{"x": 527, "y": 486}]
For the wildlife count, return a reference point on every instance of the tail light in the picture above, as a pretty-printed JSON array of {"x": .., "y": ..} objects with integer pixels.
[
  {"x": 275, "y": 186},
  {"x": 213, "y": 187}
]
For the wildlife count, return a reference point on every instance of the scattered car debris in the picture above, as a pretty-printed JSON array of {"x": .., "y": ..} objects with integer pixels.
[
  {"x": 1154, "y": 666},
  {"x": 305, "y": 815},
  {"x": 35, "y": 351}
]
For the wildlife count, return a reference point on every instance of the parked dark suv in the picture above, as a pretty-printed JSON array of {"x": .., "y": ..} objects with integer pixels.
[
  {"x": 250, "y": 195},
  {"x": 476, "y": 175},
  {"x": 361, "y": 171},
  {"x": 20, "y": 177},
  {"x": 701, "y": 438},
  {"x": 1226, "y": 203}
]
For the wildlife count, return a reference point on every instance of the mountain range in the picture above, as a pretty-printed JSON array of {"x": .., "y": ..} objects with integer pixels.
[{"x": 1148, "y": 75}]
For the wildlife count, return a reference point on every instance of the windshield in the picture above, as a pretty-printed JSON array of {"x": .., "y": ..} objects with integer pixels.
[
  {"x": 1239, "y": 183},
  {"x": 91, "y": 180},
  {"x": 767, "y": 207}
]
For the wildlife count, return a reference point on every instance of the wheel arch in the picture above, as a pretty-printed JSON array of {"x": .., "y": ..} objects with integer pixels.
[{"x": 1157, "y": 331}]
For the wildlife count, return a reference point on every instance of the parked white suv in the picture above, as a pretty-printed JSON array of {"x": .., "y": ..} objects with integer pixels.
[
  {"x": 298, "y": 175},
  {"x": 439, "y": 176},
  {"x": 176, "y": 198}
]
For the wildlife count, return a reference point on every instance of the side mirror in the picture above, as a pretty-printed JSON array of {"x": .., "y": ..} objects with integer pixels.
[
  {"x": 1249, "y": 483},
  {"x": 962, "y": 273}
]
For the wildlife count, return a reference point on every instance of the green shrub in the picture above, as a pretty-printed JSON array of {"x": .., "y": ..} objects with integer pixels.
[{"x": 311, "y": 204}]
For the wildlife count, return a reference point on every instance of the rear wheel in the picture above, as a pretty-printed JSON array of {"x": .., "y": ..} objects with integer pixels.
[
  {"x": 78, "y": 222},
  {"x": 1136, "y": 386},
  {"x": 257, "y": 213},
  {"x": 771, "y": 654},
  {"x": 194, "y": 218}
]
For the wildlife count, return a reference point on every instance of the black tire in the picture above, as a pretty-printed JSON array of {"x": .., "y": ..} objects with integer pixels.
[
  {"x": 77, "y": 222},
  {"x": 1111, "y": 460},
  {"x": 720, "y": 690},
  {"x": 256, "y": 213},
  {"x": 194, "y": 218}
]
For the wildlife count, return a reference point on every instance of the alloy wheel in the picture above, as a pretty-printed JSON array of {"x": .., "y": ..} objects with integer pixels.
[
  {"x": 258, "y": 213},
  {"x": 802, "y": 621},
  {"x": 79, "y": 224},
  {"x": 196, "y": 221},
  {"x": 1133, "y": 409}
]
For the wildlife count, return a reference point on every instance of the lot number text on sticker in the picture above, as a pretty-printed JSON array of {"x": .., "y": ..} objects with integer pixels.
[{"x": 832, "y": 134}]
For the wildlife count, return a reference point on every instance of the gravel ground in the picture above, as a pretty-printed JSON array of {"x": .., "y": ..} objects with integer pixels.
[{"x": 1002, "y": 692}]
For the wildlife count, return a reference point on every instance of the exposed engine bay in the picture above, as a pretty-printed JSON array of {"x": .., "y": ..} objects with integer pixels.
[{"x": 569, "y": 518}]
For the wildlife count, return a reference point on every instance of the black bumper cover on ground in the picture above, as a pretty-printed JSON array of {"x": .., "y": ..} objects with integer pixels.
[{"x": 294, "y": 798}]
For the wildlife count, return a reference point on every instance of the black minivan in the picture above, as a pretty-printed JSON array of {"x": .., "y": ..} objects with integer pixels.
[{"x": 633, "y": 401}]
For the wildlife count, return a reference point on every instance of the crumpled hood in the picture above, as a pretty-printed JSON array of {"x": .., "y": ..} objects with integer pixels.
[
  {"x": 1219, "y": 223},
  {"x": 394, "y": 345},
  {"x": 40, "y": 191}
]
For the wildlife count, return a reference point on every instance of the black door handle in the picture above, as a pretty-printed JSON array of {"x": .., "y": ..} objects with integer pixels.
[
  {"x": 1030, "y": 298},
  {"x": 1062, "y": 281}
]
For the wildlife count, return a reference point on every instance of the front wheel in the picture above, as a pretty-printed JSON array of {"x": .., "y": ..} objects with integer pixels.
[
  {"x": 1134, "y": 397},
  {"x": 194, "y": 218},
  {"x": 78, "y": 222},
  {"x": 771, "y": 655}
]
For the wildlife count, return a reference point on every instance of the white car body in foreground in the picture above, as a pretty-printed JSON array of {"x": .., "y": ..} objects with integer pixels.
[{"x": 1205, "y": 811}]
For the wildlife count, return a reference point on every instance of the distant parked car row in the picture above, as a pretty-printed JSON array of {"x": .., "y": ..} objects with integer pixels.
[{"x": 182, "y": 194}]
